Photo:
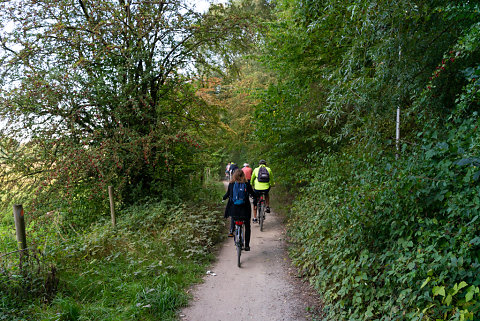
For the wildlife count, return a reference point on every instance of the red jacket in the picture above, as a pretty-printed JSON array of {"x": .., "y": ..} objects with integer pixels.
[{"x": 248, "y": 172}]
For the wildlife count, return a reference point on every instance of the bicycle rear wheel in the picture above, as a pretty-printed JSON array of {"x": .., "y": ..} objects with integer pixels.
[
  {"x": 261, "y": 215},
  {"x": 238, "y": 242},
  {"x": 239, "y": 253}
]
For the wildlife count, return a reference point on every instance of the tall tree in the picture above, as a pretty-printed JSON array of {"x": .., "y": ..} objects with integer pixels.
[
  {"x": 101, "y": 92},
  {"x": 339, "y": 62}
]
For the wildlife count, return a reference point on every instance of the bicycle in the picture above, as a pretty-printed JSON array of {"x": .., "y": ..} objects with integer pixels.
[
  {"x": 239, "y": 238},
  {"x": 261, "y": 210}
]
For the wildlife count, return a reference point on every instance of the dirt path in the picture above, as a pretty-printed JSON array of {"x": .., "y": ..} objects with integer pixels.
[{"x": 264, "y": 288}]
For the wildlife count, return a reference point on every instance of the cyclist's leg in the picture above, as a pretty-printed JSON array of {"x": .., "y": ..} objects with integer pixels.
[
  {"x": 247, "y": 234},
  {"x": 255, "y": 201},
  {"x": 232, "y": 227},
  {"x": 267, "y": 199}
]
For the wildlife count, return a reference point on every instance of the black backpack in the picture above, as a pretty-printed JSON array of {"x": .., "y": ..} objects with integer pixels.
[
  {"x": 263, "y": 175},
  {"x": 239, "y": 192}
]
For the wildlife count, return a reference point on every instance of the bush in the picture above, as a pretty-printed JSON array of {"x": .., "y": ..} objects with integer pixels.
[
  {"x": 369, "y": 232},
  {"x": 33, "y": 279}
]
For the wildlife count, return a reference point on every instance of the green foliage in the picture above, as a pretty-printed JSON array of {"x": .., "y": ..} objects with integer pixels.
[
  {"x": 136, "y": 271},
  {"x": 286, "y": 122},
  {"x": 461, "y": 302},
  {"x": 24, "y": 279},
  {"x": 384, "y": 234},
  {"x": 162, "y": 300},
  {"x": 101, "y": 94},
  {"x": 371, "y": 230},
  {"x": 368, "y": 228},
  {"x": 339, "y": 63}
]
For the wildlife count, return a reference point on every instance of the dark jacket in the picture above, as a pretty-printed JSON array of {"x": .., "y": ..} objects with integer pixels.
[
  {"x": 244, "y": 210},
  {"x": 233, "y": 167}
]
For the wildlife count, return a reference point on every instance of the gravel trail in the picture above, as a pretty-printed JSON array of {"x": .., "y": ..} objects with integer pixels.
[{"x": 264, "y": 288}]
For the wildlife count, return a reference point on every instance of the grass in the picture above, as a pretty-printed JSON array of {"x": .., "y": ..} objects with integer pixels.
[{"x": 138, "y": 271}]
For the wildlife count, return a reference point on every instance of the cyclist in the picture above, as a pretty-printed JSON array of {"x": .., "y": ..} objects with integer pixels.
[
  {"x": 262, "y": 180},
  {"x": 233, "y": 168},
  {"x": 227, "y": 171},
  {"x": 248, "y": 171},
  {"x": 243, "y": 211}
]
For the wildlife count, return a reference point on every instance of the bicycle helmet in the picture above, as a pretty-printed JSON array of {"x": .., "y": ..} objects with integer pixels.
[{"x": 262, "y": 162}]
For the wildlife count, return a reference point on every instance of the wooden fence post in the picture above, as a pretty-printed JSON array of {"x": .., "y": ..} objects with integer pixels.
[
  {"x": 112, "y": 205},
  {"x": 20, "y": 226}
]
